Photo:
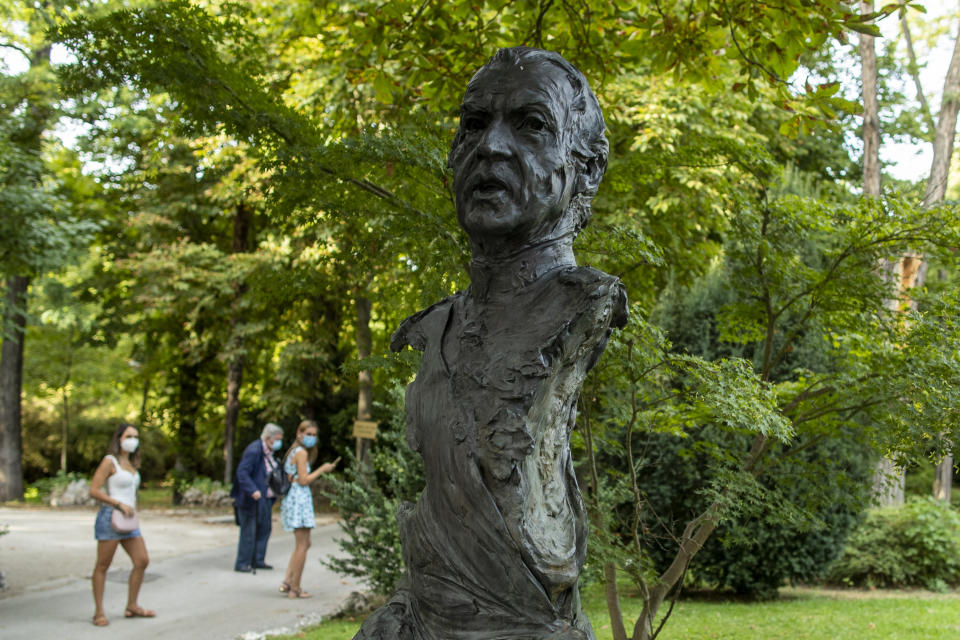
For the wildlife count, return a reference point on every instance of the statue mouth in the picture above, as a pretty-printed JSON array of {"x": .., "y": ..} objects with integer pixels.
[{"x": 489, "y": 185}]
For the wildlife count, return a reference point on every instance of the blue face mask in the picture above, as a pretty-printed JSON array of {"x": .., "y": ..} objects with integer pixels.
[
  {"x": 277, "y": 444},
  {"x": 309, "y": 441}
]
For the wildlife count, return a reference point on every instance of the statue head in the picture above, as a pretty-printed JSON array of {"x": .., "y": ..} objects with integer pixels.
[{"x": 529, "y": 153}]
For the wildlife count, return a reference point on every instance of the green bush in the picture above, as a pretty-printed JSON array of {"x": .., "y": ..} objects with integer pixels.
[
  {"x": 45, "y": 486},
  {"x": 368, "y": 505},
  {"x": 208, "y": 485},
  {"x": 796, "y": 521},
  {"x": 758, "y": 549},
  {"x": 916, "y": 545}
]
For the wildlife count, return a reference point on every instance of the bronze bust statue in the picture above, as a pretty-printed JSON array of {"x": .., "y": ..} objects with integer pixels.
[{"x": 496, "y": 542}]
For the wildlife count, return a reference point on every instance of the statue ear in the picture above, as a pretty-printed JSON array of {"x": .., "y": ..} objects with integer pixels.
[{"x": 589, "y": 173}]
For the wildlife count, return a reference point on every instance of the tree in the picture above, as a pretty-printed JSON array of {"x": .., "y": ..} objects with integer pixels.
[
  {"x": 936, "y": 187},
  {"x": 797, "y": 270},
  {"x": 888, "y": 480},
  {"x": 911, "y": 269},
  {"x": 39, "y": 229}
]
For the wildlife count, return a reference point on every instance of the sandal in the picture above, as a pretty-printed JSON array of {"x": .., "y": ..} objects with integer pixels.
[
  {"x": 298, "y": 593},
  {"x": 284, "y": 587},
  {"x": 138, "y": 612},
  {"x": 100, "y": 620}
]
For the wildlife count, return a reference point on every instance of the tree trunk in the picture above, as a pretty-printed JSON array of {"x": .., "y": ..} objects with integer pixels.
[
  {"x": 323, "y": 333},
  {"x": 884, "y": 492},
  {"x": 65, "y": 430},
  {"x": 871, "y": 120},
  {"x": 188, "y": 406},
  {"x": 144, "y": 400},
  {"x": 15, "y": 315},
  {"x": 65, "y": 394},
  {"x": 613, "y": 601},
  {"x": 231, "y": 413},
  {"x": 943, "y": 479},
  {"x": 694, "y": 536},
  {"x": 242, "y": 219},
  {"x": 364, "y": 378},
  {"x": 888, "y": 479},
  {"x": 944, "y": 135},
  {"x": 945, "y": 132},
  {"x": 11, "y": 384},
  {"x": 888, "y": 484}
]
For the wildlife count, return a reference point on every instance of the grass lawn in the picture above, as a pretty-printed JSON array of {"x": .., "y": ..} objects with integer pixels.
[{"x": 800, "y": 614}]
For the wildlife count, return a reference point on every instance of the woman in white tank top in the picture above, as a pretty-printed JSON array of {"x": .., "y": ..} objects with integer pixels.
[{"x": 118, "y": 473}]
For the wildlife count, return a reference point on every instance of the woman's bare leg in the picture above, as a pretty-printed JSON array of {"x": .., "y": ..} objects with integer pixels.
[
  {"x": 137, "y": 550},
  {"x": 298, "y": 558},
  {"x": 288, "y": 576},
  {"x": 105, "y": 551}
]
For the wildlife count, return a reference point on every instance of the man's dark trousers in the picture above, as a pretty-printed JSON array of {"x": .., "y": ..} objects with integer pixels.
[{"x": 255, "y": 528}]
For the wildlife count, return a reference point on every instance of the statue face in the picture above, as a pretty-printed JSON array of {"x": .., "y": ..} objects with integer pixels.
[{"x": 512, "y": 171}]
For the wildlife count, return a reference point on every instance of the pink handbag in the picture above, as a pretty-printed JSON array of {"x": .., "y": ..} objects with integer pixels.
[{"x": 122, "y": 523}]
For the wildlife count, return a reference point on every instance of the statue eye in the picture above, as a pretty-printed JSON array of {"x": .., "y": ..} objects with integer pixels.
[
  {"x": 473, "y": 123},
  {"x": 533, "y": 122}
]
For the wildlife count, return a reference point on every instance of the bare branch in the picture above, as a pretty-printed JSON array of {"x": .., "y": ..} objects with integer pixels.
[
  {"x": 914, "y": 71},
  {"x": 17, "y": 48},
  {"x": 673, "y": 602},
  {"x": 538, "y": 32}
]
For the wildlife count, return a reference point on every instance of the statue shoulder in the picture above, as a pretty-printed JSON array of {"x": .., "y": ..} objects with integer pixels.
[
  {"x": 415, "y": 330},
  {"x": 606, "y": 289}
]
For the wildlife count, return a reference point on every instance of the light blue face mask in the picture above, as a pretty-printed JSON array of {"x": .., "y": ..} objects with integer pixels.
[
  {"x": 309, "y": 441},
  {"x": 277, "y": 444}
]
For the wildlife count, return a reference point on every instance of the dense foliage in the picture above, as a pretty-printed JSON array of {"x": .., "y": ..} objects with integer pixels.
[
  {"x": 370, "y": 546},
  {"x": 916, "y": 545},
  {"x": 369, "y": 495}
]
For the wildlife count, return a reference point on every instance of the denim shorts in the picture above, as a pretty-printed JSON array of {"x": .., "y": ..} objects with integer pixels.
[{"x": 103, "y": 531}]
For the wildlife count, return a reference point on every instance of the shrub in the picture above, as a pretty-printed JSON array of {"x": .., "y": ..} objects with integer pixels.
[
  {"x": 796, "y": 520},
  {"x": 368, "y": 505},
  {"x": 759, "y": 548},
  {"x": 43, "y": 487},
  {"x": 206, "y": 492},
  {"x": 916, "y": 545}
]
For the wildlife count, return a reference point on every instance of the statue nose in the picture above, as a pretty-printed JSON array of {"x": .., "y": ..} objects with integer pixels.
[{"x": 496, "y": 140}]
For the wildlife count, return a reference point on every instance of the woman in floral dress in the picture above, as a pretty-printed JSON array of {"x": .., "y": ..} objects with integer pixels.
[{"x": 296, "y": 510}]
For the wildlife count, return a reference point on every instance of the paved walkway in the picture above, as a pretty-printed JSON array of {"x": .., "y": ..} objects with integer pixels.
[{"x": 49, "y": 554}]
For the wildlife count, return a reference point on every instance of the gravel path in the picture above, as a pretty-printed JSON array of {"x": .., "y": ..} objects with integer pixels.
[{"x": 49, "y": 554}]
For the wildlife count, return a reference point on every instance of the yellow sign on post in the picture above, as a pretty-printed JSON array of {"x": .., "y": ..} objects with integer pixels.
[{"x": 365, "y": 429}]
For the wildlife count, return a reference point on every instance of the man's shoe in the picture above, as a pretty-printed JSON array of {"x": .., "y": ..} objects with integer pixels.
[
  {"x": 246, "y": 569},
  {"x": 264, "y": 566}
]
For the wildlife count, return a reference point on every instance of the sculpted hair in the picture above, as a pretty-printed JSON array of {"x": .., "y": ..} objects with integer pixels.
[{"x": 587, "y": 142}]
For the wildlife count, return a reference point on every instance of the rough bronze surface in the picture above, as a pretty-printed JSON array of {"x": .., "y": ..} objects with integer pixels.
[{"x": 495, "y": 543}]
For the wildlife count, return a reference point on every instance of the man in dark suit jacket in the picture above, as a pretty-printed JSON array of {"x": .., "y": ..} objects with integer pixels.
[{"x": 254, "y": 500}]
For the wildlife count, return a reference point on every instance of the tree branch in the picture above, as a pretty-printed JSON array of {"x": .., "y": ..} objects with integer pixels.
[
  {"x": 945, "y": 132},
  {"x": 17, "y": 48},
  {"x": 914, "y": 71},
  {"x": 538, "y": 30},
  {"x": 852, "y": 409},
  {"x": 733, "y": 35}
]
